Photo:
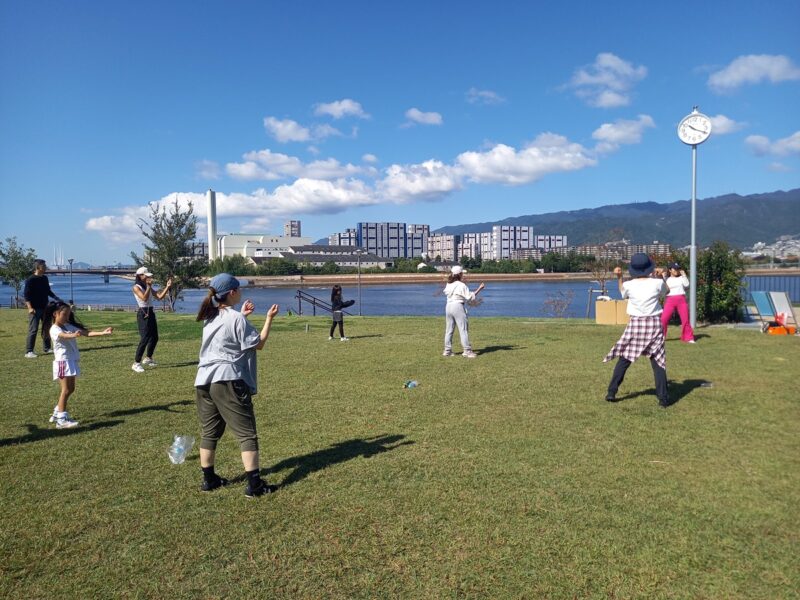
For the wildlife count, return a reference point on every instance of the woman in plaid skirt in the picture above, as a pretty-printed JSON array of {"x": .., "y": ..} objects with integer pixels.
[{"x": 644, "y": 335}]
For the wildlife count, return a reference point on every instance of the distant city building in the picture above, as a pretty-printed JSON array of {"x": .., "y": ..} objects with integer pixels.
[
  {"x": 527, "y": 253},
  {"x": 291, "y": 229},
  {"x": 507, "y": 238},
  {"x": 417, "y": 240},
  {"x": 548, "y": 242},
  {"x": 443, "y": 246},
  {"x": 348, "y": 238},
  {"x": 253, "y": 245},
  {"x": 318, "y": 255}
]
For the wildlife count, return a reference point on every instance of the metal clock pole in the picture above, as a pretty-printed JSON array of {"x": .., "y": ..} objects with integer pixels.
[
  {"x": 694, "y": 129},
  {"x": 693, "y": 247}
]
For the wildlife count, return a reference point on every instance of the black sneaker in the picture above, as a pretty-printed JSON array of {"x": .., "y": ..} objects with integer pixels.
[
  {"x": 259, "y": 489},
  {"x": 611, "y": 398},
  {"x": 210, "y": 485}
]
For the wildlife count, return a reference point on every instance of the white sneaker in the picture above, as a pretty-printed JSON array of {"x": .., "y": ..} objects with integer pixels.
[
  {"x": 49, "y": 351},
  {"x": 138, "y": 367},
  {"x": 691, "y": 342},
  {"x": 469, "y": 354},
  {"x": 345, "y": 339},
  {"x": 330, "y": 337},
  {"x": 447, "y": 353},
  {"x": 54, "y": 416},
  {"x": 65, "y": 422},
  {"x": 31, "y": 355},
  {"x": 149, "y": 362}
]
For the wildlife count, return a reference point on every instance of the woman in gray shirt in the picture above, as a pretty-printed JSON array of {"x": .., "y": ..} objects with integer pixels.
[{"x": 226, "y": 380}]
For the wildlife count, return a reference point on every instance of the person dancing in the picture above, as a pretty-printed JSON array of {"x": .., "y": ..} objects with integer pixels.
[{"x": 677, "y": 282}]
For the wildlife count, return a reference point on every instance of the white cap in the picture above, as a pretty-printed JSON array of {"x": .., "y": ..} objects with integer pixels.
[
  {"x": 457, "y": 270},
  {"x": 143, "y": 271}
]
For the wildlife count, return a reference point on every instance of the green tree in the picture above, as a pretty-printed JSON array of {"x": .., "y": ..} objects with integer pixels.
[
  {"x": 235, "y": 265},
  {"x": 719, "y": 280},
  {"x": 167, "y": 250},
  {"x": 17, "y": 263}
]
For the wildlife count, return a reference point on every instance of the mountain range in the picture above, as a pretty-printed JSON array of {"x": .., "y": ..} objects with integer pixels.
[{"x": 739, "y": 220}]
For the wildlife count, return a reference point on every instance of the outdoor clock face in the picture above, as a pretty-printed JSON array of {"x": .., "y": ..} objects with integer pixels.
[{"x": 694, "y": 129}]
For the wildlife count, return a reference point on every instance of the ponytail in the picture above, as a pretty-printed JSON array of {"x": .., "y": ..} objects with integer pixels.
[{"x": 209, "y": 308}]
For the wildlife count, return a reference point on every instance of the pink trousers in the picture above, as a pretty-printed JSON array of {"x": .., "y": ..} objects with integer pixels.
[{"x": 677, "y": 302}]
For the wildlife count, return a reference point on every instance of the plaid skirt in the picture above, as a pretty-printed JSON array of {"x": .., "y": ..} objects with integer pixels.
[{"x": 642, "y": 337}]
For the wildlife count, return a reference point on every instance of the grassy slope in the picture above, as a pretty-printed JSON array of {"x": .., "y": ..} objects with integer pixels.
[{"x": 505, "y": 476}]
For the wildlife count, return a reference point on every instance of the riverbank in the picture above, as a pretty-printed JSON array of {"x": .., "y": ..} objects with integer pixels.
[{"x": 397, "y": 278}]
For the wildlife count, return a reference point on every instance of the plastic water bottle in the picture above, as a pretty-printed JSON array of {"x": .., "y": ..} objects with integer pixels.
[
  {"x": 410, "y": 384},
  {"x": 181, "y": 446}
]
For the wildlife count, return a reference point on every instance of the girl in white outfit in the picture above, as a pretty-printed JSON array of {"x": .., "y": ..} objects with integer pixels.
[
  {"x": 455, "y": 312},
  {"x": 65, "y": 332}
]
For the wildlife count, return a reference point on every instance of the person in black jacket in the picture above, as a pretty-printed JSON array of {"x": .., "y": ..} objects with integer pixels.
[
  {"x": 37, "y": 291},
  {"x": 337, "y": 304}
]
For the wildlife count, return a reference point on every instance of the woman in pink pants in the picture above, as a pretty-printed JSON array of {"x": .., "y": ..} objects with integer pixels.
[{"x": 677, "y": 282}]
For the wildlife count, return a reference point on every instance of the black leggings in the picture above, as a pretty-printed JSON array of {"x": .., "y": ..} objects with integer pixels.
[
  {"x": 341, "y": 328},
  {"x": 148, "y": 332},
  {"x": 659, "y": 374}
]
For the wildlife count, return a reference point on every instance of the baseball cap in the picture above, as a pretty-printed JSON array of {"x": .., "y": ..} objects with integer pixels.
[
  {"x": 457, "y": 270},
  {"x": 224, "y": 283},
  {"x": 143, "y": 271}
]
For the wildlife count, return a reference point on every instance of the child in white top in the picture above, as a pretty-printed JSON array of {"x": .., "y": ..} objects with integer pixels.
[
  {"x": 66, "y": 360},
  {"x": 457, "y": 294},
  {"x": 643, "y": 335},
  {"x": 677, "y": 282}
]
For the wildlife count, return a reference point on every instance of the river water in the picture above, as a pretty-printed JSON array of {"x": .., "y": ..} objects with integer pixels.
[{"x": 511, "y": 299}]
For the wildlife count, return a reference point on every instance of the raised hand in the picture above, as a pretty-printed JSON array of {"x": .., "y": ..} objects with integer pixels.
[
  {"x": 248, "y": 307},
  {"x": 273, "y": 310}
]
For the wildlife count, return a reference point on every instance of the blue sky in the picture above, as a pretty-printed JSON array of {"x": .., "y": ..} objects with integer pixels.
[{"x": 424, "y": 112}]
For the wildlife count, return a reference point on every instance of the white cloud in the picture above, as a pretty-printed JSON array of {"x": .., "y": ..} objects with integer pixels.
[
  {"x": 415, "y": 115},
  {"x": 762, "y": 146},
  {"x": 607, "y": 82},
  {"x": 753, "y": 68},
  {"x": 722, "y": 125},
  {"x": 325, "y": 130},
  {"x": 370, "y": 158},
  {"x": 286, "y": 130},
  {"x": 267, "y": 165},
  {"x": 341, "y": 108},
  {"x": 476, "y": 96},
  {"x": 610, "y": 136},
  {"x": 777, "y": 167},
  {"x": 548, "y": 153},
  {"x": 430, "y": 180},
  {"x": 207, "y": 169}
]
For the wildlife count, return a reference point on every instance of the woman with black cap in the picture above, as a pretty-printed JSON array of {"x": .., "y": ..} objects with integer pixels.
[
  {"x": 643, "y": 336},
  {"x": 677, "y": 282},
  {"x": 226, "y": 380}
]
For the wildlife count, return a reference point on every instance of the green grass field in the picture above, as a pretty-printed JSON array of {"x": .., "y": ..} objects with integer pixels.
[{"x": 507, "y": 476}]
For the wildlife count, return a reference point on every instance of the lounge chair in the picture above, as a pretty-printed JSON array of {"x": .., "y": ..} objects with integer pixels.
[
  {"x": 782, "y": 304},
  {"x": 764, "y": 308}
]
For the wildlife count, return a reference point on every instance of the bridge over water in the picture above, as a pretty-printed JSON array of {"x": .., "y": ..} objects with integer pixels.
[{"x": 102, "y": 271}]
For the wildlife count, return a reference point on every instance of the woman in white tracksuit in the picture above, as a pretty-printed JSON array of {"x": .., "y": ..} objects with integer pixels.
[{"x": 458, "y": 294}]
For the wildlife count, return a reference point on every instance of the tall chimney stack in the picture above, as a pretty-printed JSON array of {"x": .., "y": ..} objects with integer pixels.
[{"x": 211, "y": 200}]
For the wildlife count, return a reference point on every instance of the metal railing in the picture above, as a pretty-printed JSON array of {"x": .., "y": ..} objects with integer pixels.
[{"x": 314, "y": 302}]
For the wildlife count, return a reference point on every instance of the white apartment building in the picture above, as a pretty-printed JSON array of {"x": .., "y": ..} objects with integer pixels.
[
  {"x": 444, "y": 246},
  {"x": 348, "y": 238},
  {"x": 549, "y": 242},
  {"x": 507, "y": 238}
]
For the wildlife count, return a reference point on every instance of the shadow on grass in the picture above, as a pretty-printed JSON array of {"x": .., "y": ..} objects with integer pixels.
[
  {"x": 93, "y": 348},
  {"x": 141, "y": 409},
  {"x": 363, "y": 337},
  {"x": 36, "y": 433},
  {"x": 489, "y": 349},
  {"x": 677, "y": 390},
  {"x": 188, "y": 363},
  {"x": 306, "y": 464}
]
